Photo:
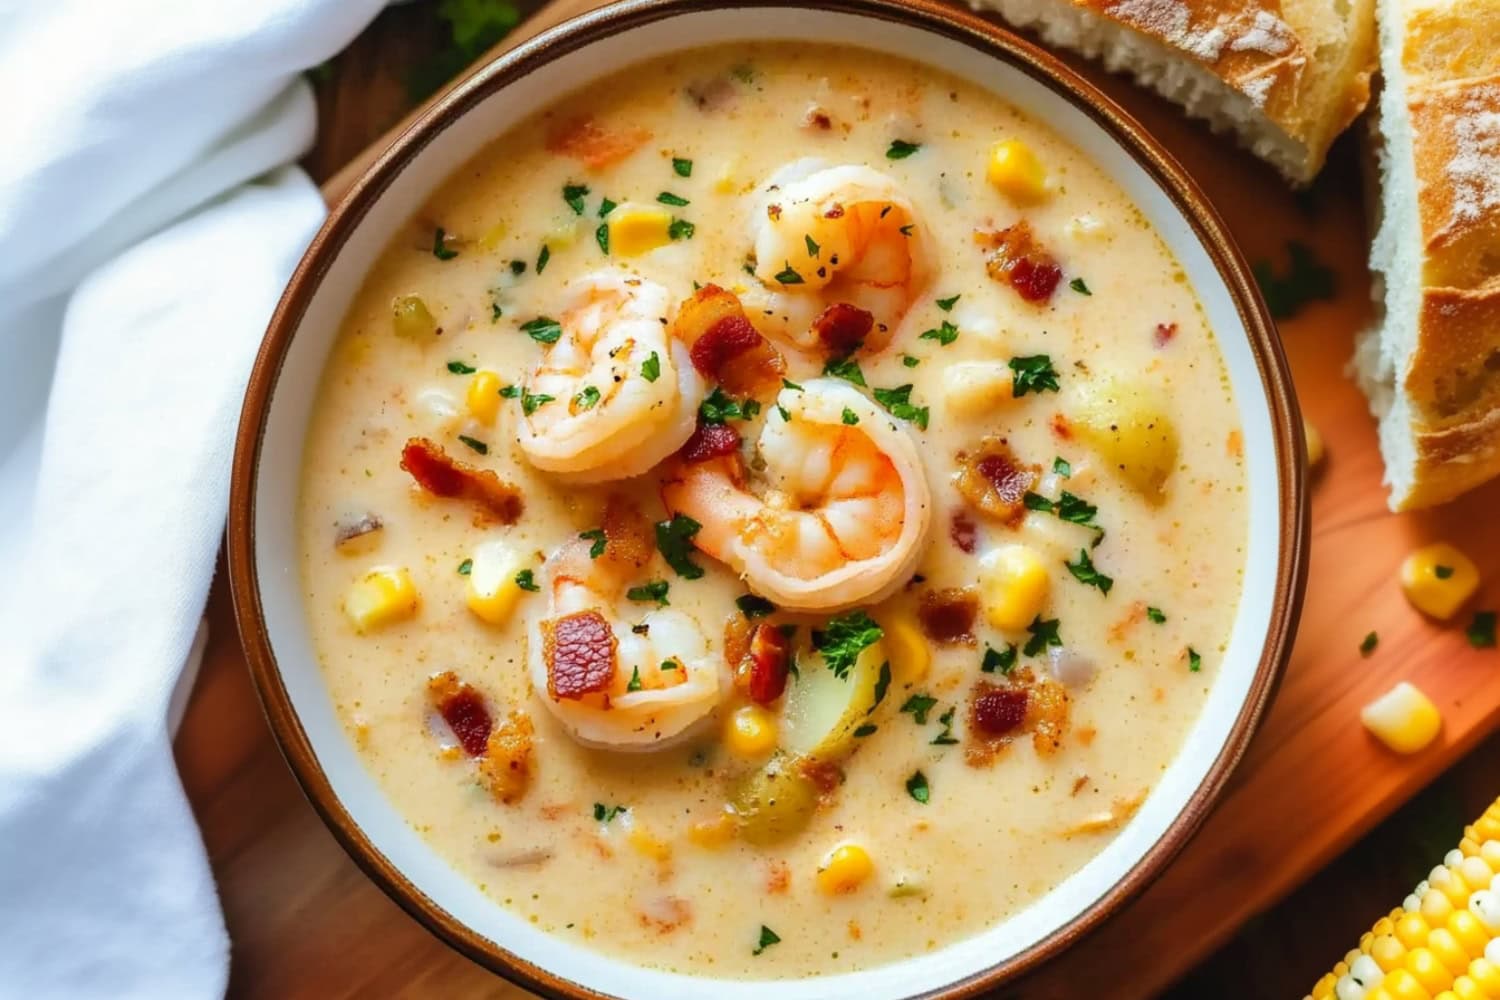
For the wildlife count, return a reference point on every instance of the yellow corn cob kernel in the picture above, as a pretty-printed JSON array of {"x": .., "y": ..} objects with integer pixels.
[
  {"x": 483, "y": 396},
  {"x": 1432, "y": 974},
  {"x": 1013, "y": 585},
  {"x": 1412, "y": 930},
  {"x": 562, "y": 234},
  {"x": 712, "y": 834},
  {"x": 1464, "y": 989},
  {"x": 911, "y": 657},
  {"x": 383, "y": 595},
  {"x": 1323, "y": 989},
  {"x": 1445, "y": 881},
  {"x": 1446, "y": 949},
  {"x": 845, "y": 869},
  {"x": 1470, "y": 933},
  {"x": 1403, "y": 718},
  {"x": 1402, "y": 985},
  {"x": 636, "y": 229},
  {"x": 750, "y": 731},
  {"x": 1486, "y": 975},
  {"x": 972, "y": 387},
  {"x": 1475, "y": 873},
  {"x": 1484, "y": 907},
  {"x": 1387, "y": 951},
  {"x": 1446, "y": 995},
  {"x": 1314, "y": 444},
  {"x": 1490, "y": 852},
  {"x": 1382, "y": 926},
  {"x": 1438, "y": 579},
  {"x": 492, "y": 591},
  {"x": 1379, "y": 992},
  {"x": 1365, "y": 940},
  {"x": 1015, "y": 171},
  {"x": 1436, "y": 907}
]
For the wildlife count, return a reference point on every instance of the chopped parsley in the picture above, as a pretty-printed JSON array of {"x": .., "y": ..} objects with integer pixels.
[
  {"x": 1080, "y": 286},
  {"x": 1481, "y": 631},
  {"x": 1085, "y": 573},
  {"x": 787, "y": 383},
  {"x": 1043, "y": 634},
  {"x": 440, "y": 248},
  {"x": 466, "y": 567},
  {"x": 1368, "y": 644},
  {"x": 909, "y": 361},
  {"x": 531, "y": 402},
  {"x": 844, "y": 638},
  {"x": 900, "y": 149},
  {"x": 882, "y": 685},
  {"x": 1155, "y": 615},
  {"x": 1440, "y": 571},
  {"x": 754, "y": 606},
  {"x": 494, "y": 311},
  {"x": 674, "y": 539},
  {"x": 526, "y": 580},
  {"x": 1195, "y": 662},
  {"x": 543, "y": 329},
  {"x": 604, "y": 814},
  {"x": 850, "y": 417},
  {"x": 667, "y": 665},
  {"x": 587, "y": 399},
  {"x": 945, "y": 738},
  {"x": 601, "y": 237},
  {"x": 475, "y": 444},
  {"x": 946, "y": 305},
  {"x": 868, "y": 729},
  {"x": 944, "y": 334},
  {"x": 788, "y": 276},
  {"x": 1033, "y": 373},
  {"x": 668, "y": 198},
  {"x": 1001, "y": 660},
  {"x": 606, "y": 206},
  {"x": 681, "y": 167},
  {"x": 898, "y": 402},
  {"x": 786, "y": 414},
  {"x": 812, "y": 248},
  {"x": 718, "y": 407},
  {"x": 1306, "y": 280},
  {"x": 917, "y": 706},
  {"x": 767, "y": 936},
  {"x": 518, "y": 267},
  {"x": 1062, "y": 467},
  {"x": 542, "y": 258},
  {"x": 574, "y": 194},
  {"x": 651, "y": 368},
  {"x": 846, "y": 368},
  {"x": 600, "y": 540},
  {"x": 635, "y": 679},
  {"x": 656, "y": 591},
  {"x": 916, "y": 787},
  {"x": 681, "y": 229},
  {"x": 459, "y": 368},
  {"x": 510, "y": 391}
]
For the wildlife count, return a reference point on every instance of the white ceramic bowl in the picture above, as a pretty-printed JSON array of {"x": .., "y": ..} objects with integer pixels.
[{"x": 263, "y": 539}]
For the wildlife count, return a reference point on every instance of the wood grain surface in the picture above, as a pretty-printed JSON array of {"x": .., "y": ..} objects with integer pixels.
[{"x": 305, "y": 922}]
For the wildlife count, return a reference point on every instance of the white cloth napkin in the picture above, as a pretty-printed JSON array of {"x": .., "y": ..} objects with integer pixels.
[{"x": 148, "y": 222}]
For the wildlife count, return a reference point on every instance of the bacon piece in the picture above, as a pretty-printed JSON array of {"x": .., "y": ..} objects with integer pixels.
[
  {"x": 463, "y": 709},
  {"x": 1014, "y": 256},
  {"x": 579, "y": 650},
  {"x": 737, "y": 632},
  {"x": 842, "y": 327},
  {"x": 997, "y": 711},
  {"x": 710, "y": 441},
  {"x": 1047, "y": 716},
  {"x": 947, "y": 616},
  {"x": 508, "y": 759},
  {"x": 721, "y": 343},
  {"x": 995, "y": 481},
  {"x": 444, "y": 476},
  {"x": 1164, "y": 334},
  {"x": 999, "y": 714},
  {"x": 591, "y": 144},
  {"x": 629, "y": 539},
  {"x": 770, "y": 654},
  {"x": 724, "y": 345},
  {"x": 963, "y": 531}
]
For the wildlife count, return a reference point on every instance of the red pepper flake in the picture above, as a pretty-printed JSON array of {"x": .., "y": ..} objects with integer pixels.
[
  {"x": 710, "y": 441},
  {"x": 1164, "y": 334},
  {"x": 463, "y": 709},
  {"x": 948, "y": 615},
  {"x": 443, "y": 476},
  {"x": 995, "y": 481},
  {"x": 579, "y": 650},
  {"x": 963, "y": 531},
  {"x": 997, "y": 711},
  {"x": 769, "y": 655},
  {"x": 842, "y": 327},
  {"x": 1015, "y": 256}
]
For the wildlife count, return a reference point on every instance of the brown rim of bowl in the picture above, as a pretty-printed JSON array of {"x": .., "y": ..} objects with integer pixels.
[{"x": 586, "y": 29}]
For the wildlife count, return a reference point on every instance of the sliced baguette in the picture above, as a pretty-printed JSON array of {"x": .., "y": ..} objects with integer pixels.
[
  {"x": 1285, "y": 76},
  {"x": 1431, "y": 364}
]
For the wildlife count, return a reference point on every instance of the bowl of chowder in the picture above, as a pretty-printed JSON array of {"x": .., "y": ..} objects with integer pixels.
[{"x": 768, "y": 493}]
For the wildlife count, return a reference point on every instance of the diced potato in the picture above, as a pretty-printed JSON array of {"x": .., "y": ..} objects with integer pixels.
[
  {"x": 821, "y": 711},
  {"x": 412, "y": 320},
  {"x": 1013, "y": 586},
  {"x": 1015, "y": 172},
  {"x": 384, "y": 595},
  {"x": 635, "y": 229},
  {"x": 1086, "y": 228},
  {"x": 562, "y": 234},
  {"x": 774, "y": 803},
  {"x": 1403, "y": 718},
  {"x": 911, "y": 656},
  {"x": 1438, "y": 579},
  {"x": 1128, "y": 425},
  {"x": 483, "y": 396},
  {"x": 972, "y": 387},
  {"x": 492, "y": 592}
]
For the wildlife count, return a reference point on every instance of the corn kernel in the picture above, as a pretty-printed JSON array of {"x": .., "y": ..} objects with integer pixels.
[
  {"x": 1323, "y": 989},
  {"x": 1404, "y": 719},
  {"x": 1428, "y": 971},
  {"x": 1402, "y": 985},
  {"x": 1486, "y": 975},
  {"x": 492, "y": 592},
  {"x": 1464, "y": 989},
  {"x": 1387, "y": 951},
  {"x": 1379, "y": 992},
  {"x": 1436, "y": 907},
  {"x": 562, "y": 234},
  {"x": 483, "y": 397},
  {"x": 1314, "y": 444},
  {"x": 907, "y": 647},
  {"x": 1475, "y": 873},
  {"x": 845, "y": 869},
  {"x": 750, "y": 731},
  {"x": 1015, "y": 171},
  {"x": 1469, "y": 932},
  {"x": 383, "y": 595},
  {"x": 637, "y": 229},
  {"x": 1013, "y": 585},
  {"x": 973, "y": 387},
  {"x": 1438, "y": 579},
  {"x": 712, "y": 834}
]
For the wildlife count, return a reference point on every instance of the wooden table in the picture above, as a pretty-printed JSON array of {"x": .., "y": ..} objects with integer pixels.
[{"x": 306, "y": 922}]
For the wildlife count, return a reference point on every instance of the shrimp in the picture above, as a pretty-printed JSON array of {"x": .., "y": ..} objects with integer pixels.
[
  {"x": 608, "y": 410},
  {"x": 612, "y": 685},
  {"x": 837, "y": 517},
  {"x": 830, "y": 237}
]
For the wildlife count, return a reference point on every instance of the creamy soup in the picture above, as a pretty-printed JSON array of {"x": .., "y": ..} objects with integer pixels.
[{"x": 775, "y": 512}]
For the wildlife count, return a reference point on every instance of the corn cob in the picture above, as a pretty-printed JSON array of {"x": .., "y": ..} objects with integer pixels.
[{"x": 1442, "y": 942}]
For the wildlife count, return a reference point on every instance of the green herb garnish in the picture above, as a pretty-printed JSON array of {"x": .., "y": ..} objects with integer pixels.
[
  {"x": 542, "y": 258},
  {"x": 1001, "y": 660},
  {"x": 1062, "y": 467},
  {"x": 600, "y": 540},
  {"x": 601, "y": 237},
  {"x": 946, "y": 305},
  {"x": 909, "y": 361},
  {"x": 916, "y": 787},
  {"x": 466, "y": 567},
  {"x": 844, "y": 638},
  {"x": 1043, "y": 634},
  {"x": 1033, "y": 373},
  {"x": 1481, "y": 631},
  {"x": 849, "y": 417},
  {"x": 946, "y": 737},
  {"x": 812, "y": 248},
  {"x": 587, "y": 399},
  {"x": 1155, "y": 615},
  {"x": 788, "y": 276},
  {"x": 634, "y": 683},
  {"x": 475, "y": 444},
  {"x": 1195, "y": 662},
  {"x": 683, "y": 168},
  {"x": 1368, "y": 644},
  {"x": 668, "y": 198},
  {"x": 574, "y": 194},
  {"x": 1080, "y": 286},
  {"x": 531, "y": 402},
  {"x": 543, "y": 329},
  {"x": 440, "y": 248},
  {"x": 767, "y": 936},
  {"x": 1442, "y": 572},
  {"x": 944, "y": 334},
  {"x": 1085, "y": 573},
  {"x": 754, "y": 606},
  {"x": 604, "y": 814},
  {"x": 900, "y": 149},
  {"x": 526, "y": 580},
  {"x": 898, "y": 402},
  {"x": 1306, "y": 280},
  {"x": 651, "y": 368},
  {"x": 681, "y": 229},
  {"x": 917, "y": 706},
  {"x": 674, "y": 539},
  {"x": 459, "y": 368},
  {"x": 845, "y": 368},
  {"x": 656, "y": 590}
]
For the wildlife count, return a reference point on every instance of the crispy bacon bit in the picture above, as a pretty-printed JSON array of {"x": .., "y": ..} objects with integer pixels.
[
  {"x": 728, "y": 338},
  {"x": 1047, "y": 716},
  {"x": 1061, "y": 427},
  {"x": 593, "y": 145},
  {"x": 629, "y": 539},
  {"x": 1016, "y": 257},
  {"x": 579, "y": 650},
  {"x": 997, "y": 711},
  {"x": 725, "y": 346},
  {"x": 1000, "y": 713},
  {"x": 737, "y": 632},
  {"x": 443, "y": 476},
  {"x": 508, "y": 761},
  {"x": 947, "y": 616},
  {"x": 710, "y": 441},
  {"x": 842, "y": 327},
  {"x": 1164, "y": 334},
  {"x": 963, "y": 531},
  {"x": 463, "y": 709},
  {"x": 993, "y": 480},
  {"x": 769, "y": 655}
]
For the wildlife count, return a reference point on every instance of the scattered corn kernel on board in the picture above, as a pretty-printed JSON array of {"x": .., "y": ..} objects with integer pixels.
[{"x": 306, "y": 922}]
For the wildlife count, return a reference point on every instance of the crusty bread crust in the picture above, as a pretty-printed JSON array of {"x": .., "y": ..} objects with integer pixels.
[{"x": 1287, "y": 76}]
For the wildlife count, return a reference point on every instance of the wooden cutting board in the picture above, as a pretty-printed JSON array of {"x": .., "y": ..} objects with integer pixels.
[{"x": 305, "y": 921}]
